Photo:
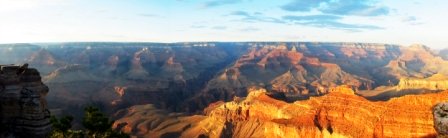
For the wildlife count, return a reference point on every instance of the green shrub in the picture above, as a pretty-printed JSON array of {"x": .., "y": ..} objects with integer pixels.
[{"x": 96, "y": 124}]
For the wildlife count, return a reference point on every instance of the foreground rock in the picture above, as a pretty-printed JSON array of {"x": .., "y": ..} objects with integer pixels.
[
  {"x": 339, "y": 113},
  {"x": 23, "y": 108},
  {"x": 440, "y": 112}
]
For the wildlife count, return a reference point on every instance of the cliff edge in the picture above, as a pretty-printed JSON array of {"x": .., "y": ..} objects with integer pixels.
[
  {"x": 23, "y": 108},
  {"x": 435, "y": 82},
  {"x": 341, "y": 113}
]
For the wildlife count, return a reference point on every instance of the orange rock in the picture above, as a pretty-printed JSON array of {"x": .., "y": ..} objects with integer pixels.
[{"x": 337, "y": 114}]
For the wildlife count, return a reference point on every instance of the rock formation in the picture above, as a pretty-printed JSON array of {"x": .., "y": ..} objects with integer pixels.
[
  {"x": 433, "y": 83},
  {"x": 337, "y": 114},
  {"x": 137, "y": 72},
  {"x": 284, "y": 70},
  {"x": 440, "y": 112},
  {"x": 416, "y": 61},
  {"x": 190, "y": 76},
  {"x": 23, "y": 108}
]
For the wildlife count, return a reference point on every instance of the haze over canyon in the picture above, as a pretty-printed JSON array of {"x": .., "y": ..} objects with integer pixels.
[{"x": 241, "y": 89}]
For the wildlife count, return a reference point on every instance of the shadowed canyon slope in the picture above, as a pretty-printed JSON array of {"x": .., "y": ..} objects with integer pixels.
[
  {"x": 200, "y": 89},
  {"x": 190, "y": 76},
  {"x": 444, "y": 53},
  {"x": 339, "y": 113}
]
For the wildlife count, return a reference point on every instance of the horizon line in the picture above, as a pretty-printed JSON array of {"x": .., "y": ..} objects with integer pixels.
[{"x": 174, "y": 42}]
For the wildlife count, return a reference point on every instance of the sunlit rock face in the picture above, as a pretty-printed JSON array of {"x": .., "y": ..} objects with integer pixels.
[
  {"x": 23, "y": 108},
  {"x": 301, "y": 70},
  {"x": 289, "y": 69},
  {"x": 340, "y": 113},
  {"x": 435, "y": 82},
  {"x": 309, "y": 68},
  {"x": 415, "y": 61}
]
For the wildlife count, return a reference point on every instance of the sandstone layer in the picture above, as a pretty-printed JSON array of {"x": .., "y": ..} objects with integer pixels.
[
  {"x": 412, "y": 85},
  {"x": 187, "y": 77},
  {"x": 340, "y": 113},
  {"x": 23, "y": 108},
  {"x": 435, "y": 82},
  {"x": 301, "y": 70}
]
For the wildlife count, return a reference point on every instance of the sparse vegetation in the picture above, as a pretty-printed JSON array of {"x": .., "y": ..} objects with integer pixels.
[{"x": 96, "y": 125}]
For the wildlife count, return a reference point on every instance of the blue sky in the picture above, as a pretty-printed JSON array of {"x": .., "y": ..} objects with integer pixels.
[{"x": 381, "y": 21}]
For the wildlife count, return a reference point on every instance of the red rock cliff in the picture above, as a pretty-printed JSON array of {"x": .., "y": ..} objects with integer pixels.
[{"x": 339, "y": 113}]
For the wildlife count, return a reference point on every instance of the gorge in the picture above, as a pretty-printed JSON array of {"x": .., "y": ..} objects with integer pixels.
[{"x": 239, "y": 89}]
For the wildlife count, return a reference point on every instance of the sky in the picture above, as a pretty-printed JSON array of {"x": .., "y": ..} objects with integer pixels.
[{"x": 401, "y": 22}]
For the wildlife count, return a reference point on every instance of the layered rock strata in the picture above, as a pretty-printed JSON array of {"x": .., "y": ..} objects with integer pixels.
[
  {"x": 23, "y": 108},
  {"x": 187, "y": 77},
  {"x": 340, "y": 113},
  {"x": 435, "y": 82}
]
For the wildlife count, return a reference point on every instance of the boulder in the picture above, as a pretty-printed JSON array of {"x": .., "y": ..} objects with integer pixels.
[{"x": 440, "y": 112}]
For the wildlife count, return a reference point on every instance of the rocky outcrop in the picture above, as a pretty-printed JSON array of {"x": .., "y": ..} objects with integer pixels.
[
  {"x": 137, "y": 72},
  {"x": 340, "y": 113},
  {"x": 415, "y": 61},
  {"x": 290, "y": 70},
  {"x": 440, "y": 113},
  {"x": 23, "y": 108},
  {"x": 433, "y": 83}
]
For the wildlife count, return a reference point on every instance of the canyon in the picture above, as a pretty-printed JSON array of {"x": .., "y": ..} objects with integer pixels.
[
  {"x": 340, "y": 113},
  {"x": 189, "y": 76},
  {"x": 243, "y": 89}
]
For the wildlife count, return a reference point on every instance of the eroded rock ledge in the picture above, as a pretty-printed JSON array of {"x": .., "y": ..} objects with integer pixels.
[
  {"x": 23, "y": 108},
  {"x": 339, "y": 113},
  {"x": 433, "y": 83}
]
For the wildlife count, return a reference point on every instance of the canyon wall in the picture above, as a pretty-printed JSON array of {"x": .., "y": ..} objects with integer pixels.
[
  {"x": 340, "y": 113},
  {"x": 433, "y": 83},
  {"x": 23, "y": 108},
  {"x": 186, "y": 77}
]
